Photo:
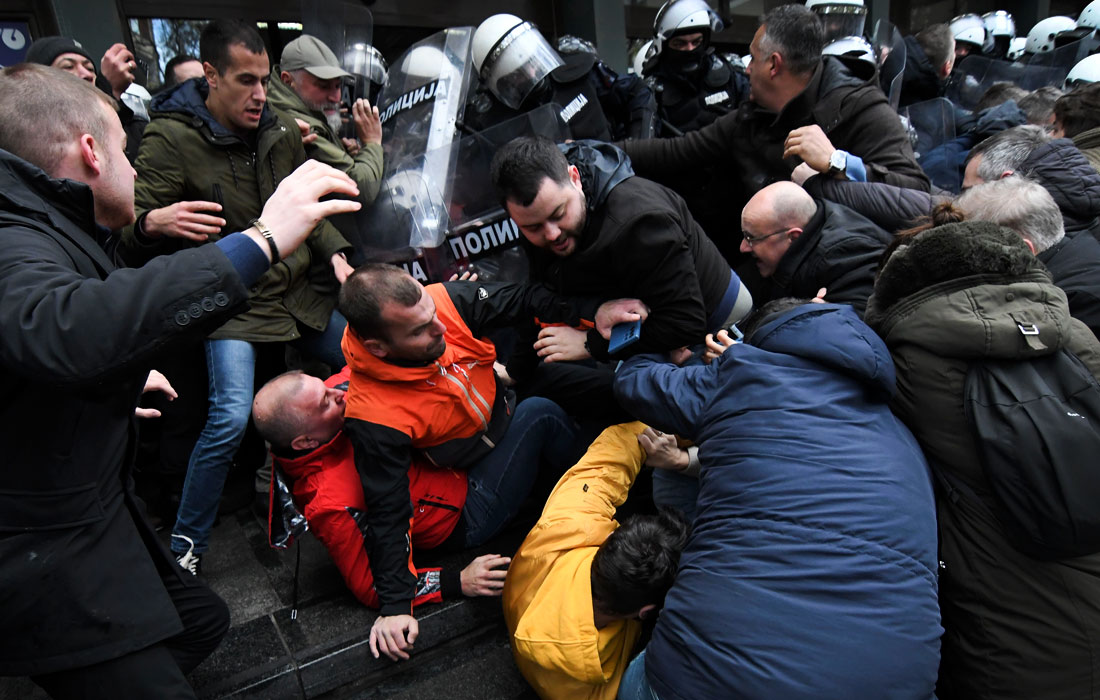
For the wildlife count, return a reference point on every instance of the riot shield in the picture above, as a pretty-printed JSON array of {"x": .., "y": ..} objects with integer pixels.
[
  {"x": 337, "y": 23},
  {"x": 479, "y": 232},
  {"x": 890, "y": 52},
  {"x": 422, "y": 100},
  {"x": 973, "y": 75},
  {"x": 933, "y": 122},
  {"x": 1065, "y": 56},
  {"x": 359, "y": 57}
]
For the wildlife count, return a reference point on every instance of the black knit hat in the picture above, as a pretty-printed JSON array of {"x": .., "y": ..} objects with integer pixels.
[{"x": 48, "y": 48}]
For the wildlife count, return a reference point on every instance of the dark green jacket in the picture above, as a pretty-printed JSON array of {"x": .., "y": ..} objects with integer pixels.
[
  {"x": 365, "y": 167},
  {"x": 186, "y": 155},
  {"x": 1014, "y": 627}
]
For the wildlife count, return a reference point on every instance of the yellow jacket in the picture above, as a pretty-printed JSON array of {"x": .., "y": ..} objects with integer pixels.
[{"x": 548, "y": 593}]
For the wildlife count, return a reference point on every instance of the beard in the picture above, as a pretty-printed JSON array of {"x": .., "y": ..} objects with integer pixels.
[{"x": 331, "y": 112}]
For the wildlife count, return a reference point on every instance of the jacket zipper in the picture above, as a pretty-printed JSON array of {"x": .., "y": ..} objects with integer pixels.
[
  {"x": 470, "y": 401},
  {"x": 444, "y": 506}
]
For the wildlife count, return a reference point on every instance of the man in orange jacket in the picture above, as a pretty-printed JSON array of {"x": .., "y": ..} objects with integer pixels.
[
  {"x": 423, "y": 384},
  {"x": 303, "y": 419}
]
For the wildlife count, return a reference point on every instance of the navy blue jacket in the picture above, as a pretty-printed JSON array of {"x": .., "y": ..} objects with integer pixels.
[{"x": 810, "y": 570}]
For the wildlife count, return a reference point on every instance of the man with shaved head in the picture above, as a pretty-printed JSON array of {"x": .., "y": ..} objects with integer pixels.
[{"x": 801, "y": 244}]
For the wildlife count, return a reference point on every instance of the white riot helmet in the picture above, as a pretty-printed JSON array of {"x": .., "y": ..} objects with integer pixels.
[
  {"x": 841, "y": 18},
  {"x": 427, "y": 63},
  {"x": 683, "y": 17},
  {"x": 512, "y": 57},
  {"x": 645, "y": 52},
  {"x": 1041, "y": 37},
  {"x": 969, "y": 29},
  {"x": 852, "y": 47},
  {"x": 367, "y": 61},
  {"x": 1086, "y": 71},
  {"x": 1090, "y": 16},
  {"x": 999, "y": 23},
  {"x": 1016, "y": 48}
]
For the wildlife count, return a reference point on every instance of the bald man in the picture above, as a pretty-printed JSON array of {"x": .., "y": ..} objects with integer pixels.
[{"x": 801, "y": 244}]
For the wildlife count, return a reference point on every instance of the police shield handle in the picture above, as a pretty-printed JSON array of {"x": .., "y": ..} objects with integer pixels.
[
  {"x": 612, "y": 313},
  {"x": 295, "y": 209}
]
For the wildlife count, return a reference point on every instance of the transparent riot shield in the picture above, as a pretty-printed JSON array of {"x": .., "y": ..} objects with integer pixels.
[
  {"x": 890, "y": 53},
  {"x": 359, "y": 57},
  {"x": 423, "y": 98},
  {"x": 973, "y": 75},
  {"x": 933, "y": 122},
  {"x": 483, "y": 234},
  {"x": 1065, "y": 56},
  {"x": 480, "y": 232},
  {"x": 337, "y": 24}
]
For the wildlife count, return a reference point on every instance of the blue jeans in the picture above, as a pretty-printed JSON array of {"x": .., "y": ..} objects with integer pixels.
[
  {"x": 635, "y": 685},
  {"x": 540, "y": 431},
  {"x": 231, "y": 369}
]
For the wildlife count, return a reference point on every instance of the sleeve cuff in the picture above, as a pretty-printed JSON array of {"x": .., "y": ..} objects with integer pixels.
[
  {"x": 401, "y": 607},
  {"x": 245, "y": 256},
  {"x": 450, "y": 583},
  {"x": 692, "y": 468},
  {"x": 596, "y": 345},
  {"x": 855, "y": 169}
]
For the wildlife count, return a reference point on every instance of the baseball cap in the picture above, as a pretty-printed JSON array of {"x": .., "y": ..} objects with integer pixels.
[{"x": 310, "y": 53}]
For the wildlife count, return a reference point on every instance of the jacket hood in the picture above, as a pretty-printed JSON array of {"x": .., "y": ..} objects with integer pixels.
[
  {"x": 187, "y": 102},
  {"x": 921, "y": 80},
  {"x": 601, "y": 166},
  {"x": 831, "y": 335},
  {"x": 27, "y": 190},
  {"x": 969, "y": 290},
  {"x": 557, "y": 631},
  {"x": 1061, "y": 168},
  {"x": 947, "y": 253}
]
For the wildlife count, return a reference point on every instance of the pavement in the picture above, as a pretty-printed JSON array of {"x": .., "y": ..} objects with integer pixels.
[{"x": 462, "y": 652}]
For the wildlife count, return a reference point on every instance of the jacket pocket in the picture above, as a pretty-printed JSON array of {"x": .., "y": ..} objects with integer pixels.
[{"x": 35, "y": 511}]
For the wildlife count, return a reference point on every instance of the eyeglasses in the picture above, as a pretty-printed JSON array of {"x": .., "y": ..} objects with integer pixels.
[{"x": 753, "y": 240}]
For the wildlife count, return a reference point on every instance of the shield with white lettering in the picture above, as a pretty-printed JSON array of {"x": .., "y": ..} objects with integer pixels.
[{"x": 420, "y": 104}]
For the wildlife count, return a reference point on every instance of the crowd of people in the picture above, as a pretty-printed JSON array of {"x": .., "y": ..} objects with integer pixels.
[{"x": 837, "y": 507}]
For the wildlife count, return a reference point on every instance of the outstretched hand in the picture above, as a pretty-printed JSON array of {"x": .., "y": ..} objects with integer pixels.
[
  {"x": 393, "y": 635},
  {"x": 155, "y": 382},
  {"x": 717, "y": 344},
  {"x": 295, "y": 208},
  {"x": 484, "y": 577}
]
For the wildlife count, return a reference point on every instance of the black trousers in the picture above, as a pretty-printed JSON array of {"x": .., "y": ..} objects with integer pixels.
[{"x": 157, "y": 671}]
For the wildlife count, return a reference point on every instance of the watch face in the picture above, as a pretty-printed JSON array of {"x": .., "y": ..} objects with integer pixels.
[{"x": 838, "y": 160}]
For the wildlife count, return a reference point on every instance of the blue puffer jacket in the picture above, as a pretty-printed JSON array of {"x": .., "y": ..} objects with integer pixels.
[{"x": 810, "y": 571}]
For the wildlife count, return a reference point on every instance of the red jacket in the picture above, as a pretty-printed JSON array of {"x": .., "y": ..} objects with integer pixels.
[{"x": 326, "y": 488}]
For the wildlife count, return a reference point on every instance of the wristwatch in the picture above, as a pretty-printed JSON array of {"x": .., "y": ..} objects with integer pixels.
[{"x": 838, "y": 162}]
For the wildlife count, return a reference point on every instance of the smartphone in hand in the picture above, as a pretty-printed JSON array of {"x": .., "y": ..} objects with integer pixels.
[{"x": 624, "y": 335}]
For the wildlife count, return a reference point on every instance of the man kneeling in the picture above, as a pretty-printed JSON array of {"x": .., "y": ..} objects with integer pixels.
[{"x": 303, "y": 419}]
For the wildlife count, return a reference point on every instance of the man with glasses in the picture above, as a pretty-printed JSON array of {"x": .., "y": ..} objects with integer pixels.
[{"x": 800, "y": 245}]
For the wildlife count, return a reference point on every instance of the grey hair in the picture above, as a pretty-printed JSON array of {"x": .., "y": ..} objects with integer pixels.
[
  {"x": 795, "y": 33},
  {"x": 1019, "y": 204},
  {"x": 1007, "y": 150}
]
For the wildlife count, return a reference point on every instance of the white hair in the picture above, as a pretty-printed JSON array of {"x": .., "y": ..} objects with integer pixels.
[{"x": 1019, "y": 204}]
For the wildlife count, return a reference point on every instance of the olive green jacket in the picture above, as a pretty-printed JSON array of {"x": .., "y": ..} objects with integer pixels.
[
  {"x": 187, "y": 155},
  {"x": 365, "y": 167},
  {"x": 1089, "y": 143},
  {"x": 1015, "y": 628}
]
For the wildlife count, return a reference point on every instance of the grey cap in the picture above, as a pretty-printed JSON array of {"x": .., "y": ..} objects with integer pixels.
[{"x": 310, "y": 53}]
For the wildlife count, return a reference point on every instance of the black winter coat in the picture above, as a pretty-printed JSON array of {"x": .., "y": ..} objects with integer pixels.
[
  {"x": 851, "y": 110},
  {"x": 639, "y": 241},
  {"x": 839, "y": 250},
  {"x": 79, "y": 581}
]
